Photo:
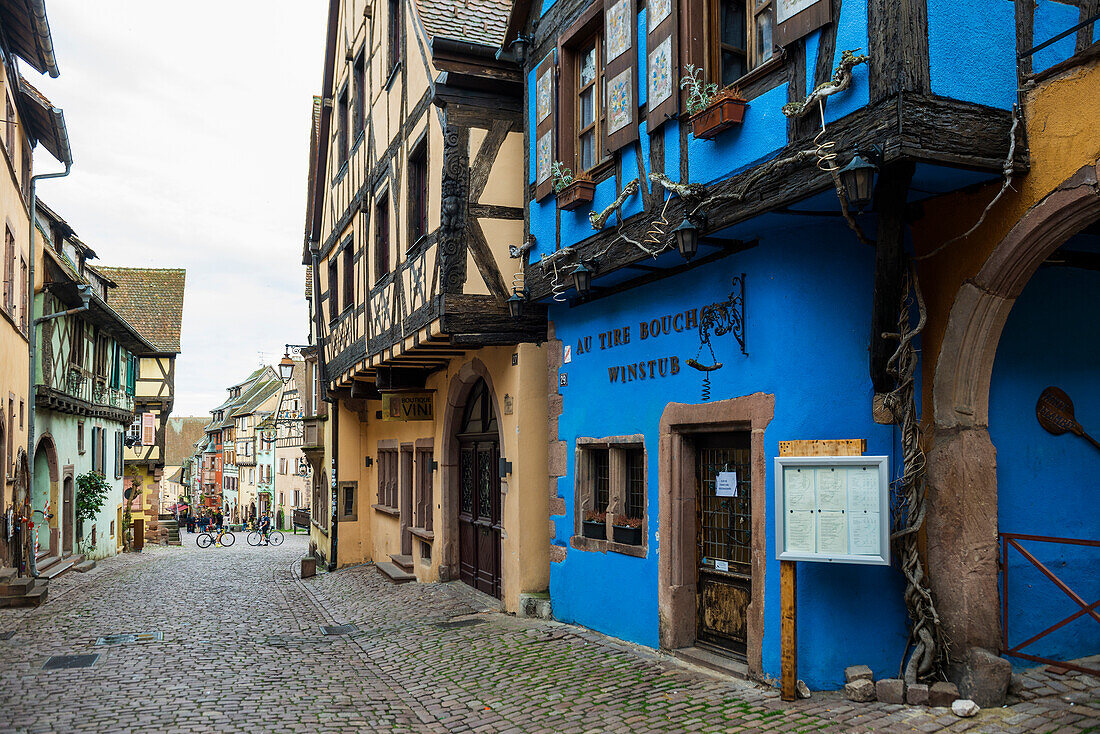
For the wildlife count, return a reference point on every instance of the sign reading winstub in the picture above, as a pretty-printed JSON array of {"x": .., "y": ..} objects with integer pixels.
[{"x": 833, "y": 509}]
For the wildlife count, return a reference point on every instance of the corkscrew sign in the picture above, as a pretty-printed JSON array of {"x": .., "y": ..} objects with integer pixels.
[{"x": 1055, "y": 413}]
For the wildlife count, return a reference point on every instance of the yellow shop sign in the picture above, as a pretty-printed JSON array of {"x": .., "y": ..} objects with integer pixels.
[{"x": 408, "y": 406}]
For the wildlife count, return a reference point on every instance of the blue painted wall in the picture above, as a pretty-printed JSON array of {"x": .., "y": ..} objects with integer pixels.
[
  {"x": 1047, "y": 484},
  {"x": 807, "y": 310}
]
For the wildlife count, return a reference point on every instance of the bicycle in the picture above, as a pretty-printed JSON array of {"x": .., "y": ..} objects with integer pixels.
[
  {"x": 205, "y": 540},
  {"x": 274, "y": 537}
]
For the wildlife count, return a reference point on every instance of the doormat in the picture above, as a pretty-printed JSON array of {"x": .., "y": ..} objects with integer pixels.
[
  {"x": 337, "y": 629},
  {"x": 129, "y": 638},
  {"x": 66, "y": 662}
]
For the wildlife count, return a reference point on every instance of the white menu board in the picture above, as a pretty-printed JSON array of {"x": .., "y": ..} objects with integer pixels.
[{"x": 834, "y": 509}]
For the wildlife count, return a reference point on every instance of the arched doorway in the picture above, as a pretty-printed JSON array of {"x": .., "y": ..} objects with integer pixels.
[
  {"x": 43, "y": 493},
  {"x": 479, "y": 524},
  {"x": 962, "y": 525}
]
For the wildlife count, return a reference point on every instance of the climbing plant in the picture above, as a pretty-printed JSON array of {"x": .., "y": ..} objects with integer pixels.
[{"x": 91, "y": 493}]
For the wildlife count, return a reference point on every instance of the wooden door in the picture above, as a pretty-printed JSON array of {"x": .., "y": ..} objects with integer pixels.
[
  {"x": 724, "y": 539},
  {"x": 479, "y": 525},
  {"x": 68, "y": 518},
  {"x": 405, "y": 500}
]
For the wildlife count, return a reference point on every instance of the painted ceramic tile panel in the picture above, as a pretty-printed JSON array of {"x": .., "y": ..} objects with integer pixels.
[
  {"x": 621, "y": 98},
  {"x": 618, "y": 29},
  {"x": 544, "y": 157},
  {"x": 660, "y": 73},
  {"x": 787, "y": 9},
  {"x": 659, "y": 10},
  {"x": 543, "y": 95}
]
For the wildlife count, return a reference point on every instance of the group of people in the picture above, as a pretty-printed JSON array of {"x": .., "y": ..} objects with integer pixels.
[{"x": 206, "y": 521}]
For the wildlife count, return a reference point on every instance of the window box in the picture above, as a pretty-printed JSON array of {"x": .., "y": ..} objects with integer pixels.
[
  {"x": 593, "y": 529},
  {"x": 576, "y": 194},
  {"x": 720, "y": 115},
  {"x": 625, "y": 535}
]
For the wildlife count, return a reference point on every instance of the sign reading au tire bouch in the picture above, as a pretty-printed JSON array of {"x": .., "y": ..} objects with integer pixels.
[
  {"x": 833, "y": 509},
  {"x": 408, "y": 406}
]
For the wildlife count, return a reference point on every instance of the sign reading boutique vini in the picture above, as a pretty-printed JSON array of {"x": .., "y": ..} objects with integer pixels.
[{"x": 408, "y": 406}]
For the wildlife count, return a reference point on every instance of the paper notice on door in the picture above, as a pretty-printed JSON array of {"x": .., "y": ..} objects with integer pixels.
[
  {"x": 721, "y": 565},
  {"x": 832, "y": 533},
  {"x": 800, "y": 531},
  {"x": 726, "y": 484},
  {"x": 863, "y": 490},
  {"x": 832, "y": 489},
  {"x": 798, "y": 487},
  {"x": 864, "y": 534}
]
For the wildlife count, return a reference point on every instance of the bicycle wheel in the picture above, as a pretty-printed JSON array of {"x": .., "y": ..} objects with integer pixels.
[
  {"x": 253, "y": 538},
  {"x": 204, "y": 540},
  {"x": 228, "y": 539},
  {"x": 276, "y": 538}
]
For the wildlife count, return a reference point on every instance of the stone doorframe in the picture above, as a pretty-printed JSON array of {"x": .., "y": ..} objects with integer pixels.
[
  {"x": 458, "y": 390},
  {"x": 962, "y": 462},
  {"x": 677, "y": 568},
  {"x": 45, "y": 443}
]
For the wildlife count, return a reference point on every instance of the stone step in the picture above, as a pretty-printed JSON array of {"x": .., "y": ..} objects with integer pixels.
[
  {"x": 7, "y": 574},
  {"x": 45, "y": 563},
  {"x": 395, "y": 574},
  {"x": 405, "y": 563},
  {"x": 713, "y": 659},
  {"x": 33, "y": 598},
  {"x": 16, "y": 586},
  {"x": 84, "y": 566},
  {"x": 56, "y": 569}
]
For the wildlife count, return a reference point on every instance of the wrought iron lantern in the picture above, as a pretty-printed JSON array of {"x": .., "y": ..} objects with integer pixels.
[
  {"x": 858, "y": 179},
  {"x": 582, "y": 279},
  {"x": 687, "y": 239},
  {"x": 516, "y": 303},
  {"x": 286, "y": 368}
]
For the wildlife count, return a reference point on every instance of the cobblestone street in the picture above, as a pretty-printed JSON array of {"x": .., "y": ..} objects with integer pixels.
[{"x": 243, "y": 650}]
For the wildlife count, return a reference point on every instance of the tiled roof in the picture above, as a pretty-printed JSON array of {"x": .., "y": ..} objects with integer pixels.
[
  {"x": 151, "y": 299},
  {"x": 256, "y": 396},
  {"x": 180, "y": 439},
  {"x": 476, "y": 21}
]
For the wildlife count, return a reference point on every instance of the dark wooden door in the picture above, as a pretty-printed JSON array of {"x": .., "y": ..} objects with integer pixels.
[
  {"x": 68, "y": 518},
  {"x": 479, "y": 494},
  {"x": 724, "y": 525}
]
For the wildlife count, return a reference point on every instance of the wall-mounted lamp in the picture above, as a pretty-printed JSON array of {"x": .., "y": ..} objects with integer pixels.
[
  {"x": 858, "y": 179},
  {"x": 516, "y": 303},
  {"x": 368, "y": 462},
  {"x": 520, "y": 46},
  {"x": 582, "y": 279},
  {"x": 505, "y": 467}
]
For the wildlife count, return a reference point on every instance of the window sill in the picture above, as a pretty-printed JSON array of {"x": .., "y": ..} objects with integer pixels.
[
  {"x": 423, "y": 534},
  {"x": 387, "y": 510},
  {"x": 602, "y": 171},
  {"x": 349, "y": 518},
  {"x": 776, "y": 61},
  {"x": 597, "y": 545}
]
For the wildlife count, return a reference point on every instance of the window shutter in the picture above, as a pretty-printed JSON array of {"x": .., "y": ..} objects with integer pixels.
[
  {"x": 692, "y": 40},
  {"x": 103, "y": 450},
  {"x": 620, "y": 73},
  {"x": 663, "y": 62},
  {"x": 546, "y": 123},
  {"x": 148, "y": 429}
]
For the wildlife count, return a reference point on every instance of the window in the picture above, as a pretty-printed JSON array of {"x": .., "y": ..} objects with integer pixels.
[
  {"x": 611, "y": 491},
  {"x": 423, "y": 487},
  {"x": 333, "y": 281},
  {"x": 359, "y": 115},
  {"x": 342, "y": 127},
  {"x": 118, "y": 455},
  {"x": 395, "y": 40},
  {"x": 9, "y": 117},
  {"x": 418, "y": 193},
  {"x": 320, "y": 500},
  {"x": 589, "y": 86},
  {"x": 9, "y": 270},
  {"x": 282, "y": 465},
  {"x": 739, "y": 36},
  {"x": 24, "y": 301},
  {"x": 25, "y": 171},
  {"x": 349, "y": 277},
  {"x": 382, "y": 238},
  {"x": 80, "y": 437},
  {"x": 348, "y": 506},
  {"x": 21, "y": 411},
  {"x": 387, "y": 477}
]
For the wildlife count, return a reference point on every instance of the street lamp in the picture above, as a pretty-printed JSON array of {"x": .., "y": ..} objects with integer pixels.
[
  {"x": 582, "y": 279},
  {"x": 286, "y": 368},
  {"x": 858, "y": 179},
  {"x": 687, "y": 239},
  {"x": 516, "y": 303}
]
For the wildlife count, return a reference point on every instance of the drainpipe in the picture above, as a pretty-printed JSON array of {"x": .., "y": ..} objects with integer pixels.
[
  {"x": 334, "y": 491},
  {"x": 33, "y": 352}
]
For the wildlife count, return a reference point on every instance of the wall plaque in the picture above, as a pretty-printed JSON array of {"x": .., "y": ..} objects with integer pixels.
[{"x": 833, "y": 509}]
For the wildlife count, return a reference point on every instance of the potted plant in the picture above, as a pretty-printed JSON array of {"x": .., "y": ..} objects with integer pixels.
[
  {"x": 627, "y": 530},
  {"x": 572, "y": 190},
  {"x": 710, "y": 110},
  {"x": 594, "y": 525}
]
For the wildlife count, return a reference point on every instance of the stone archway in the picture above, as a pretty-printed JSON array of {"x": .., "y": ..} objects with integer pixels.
[
  {"x": 45, "y": 489},
  {"x": 962, "y": 461}
]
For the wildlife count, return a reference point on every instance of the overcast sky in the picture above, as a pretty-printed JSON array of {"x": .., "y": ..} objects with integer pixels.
[{"x": 189, "y": 125}]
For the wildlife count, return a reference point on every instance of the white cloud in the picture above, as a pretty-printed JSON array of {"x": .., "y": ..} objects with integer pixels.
[{"x": 189, "y": 124}]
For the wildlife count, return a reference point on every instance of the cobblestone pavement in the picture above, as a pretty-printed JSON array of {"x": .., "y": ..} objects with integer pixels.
[{"x": 242, "y": 650}]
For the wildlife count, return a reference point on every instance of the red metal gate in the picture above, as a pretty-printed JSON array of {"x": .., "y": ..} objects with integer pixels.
[{"x": 1013, "y": 540}]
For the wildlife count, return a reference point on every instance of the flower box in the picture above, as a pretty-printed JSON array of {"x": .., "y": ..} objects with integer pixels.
[
  {"x": 720, "y": 115},
  {"x": 626, "y": 536},
  {"x": 591, "y": 529},
  {"x": 575, "y": 194}
]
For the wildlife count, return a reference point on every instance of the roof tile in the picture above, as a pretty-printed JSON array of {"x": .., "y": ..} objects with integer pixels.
[{"x": 151, "y": 299}]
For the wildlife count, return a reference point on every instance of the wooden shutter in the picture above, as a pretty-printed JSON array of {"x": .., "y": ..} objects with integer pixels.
[
  {"x": 95, "y": 449},
  {"x": 103, "y": 451},
  {"x": 693, "y": 40},
  {"x": 546, "y": 123},
  {"x": 148, "y": 429},
  {"x": 663, "y": 62},
  {"x": 620, "y": 74}
]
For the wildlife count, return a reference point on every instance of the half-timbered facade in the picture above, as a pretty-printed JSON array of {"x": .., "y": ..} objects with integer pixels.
[
  {"x": 152, "y": 300},
  {"x": 415, "y": 199},
  {"x": 724, "y": 280}
]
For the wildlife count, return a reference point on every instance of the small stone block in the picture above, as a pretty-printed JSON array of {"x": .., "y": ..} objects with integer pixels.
[
  {"x": 917, "y": 694},
  {"x": 890, "y": 690},
  {"x": 860, "y": 691},
  {"x": 942, "y": 693},
  {"x": 857, "y": 672},
  {"x": 802, "y": 689},
  {"x": 309, "y": 567},
  {"x": 965, "y": 708}
]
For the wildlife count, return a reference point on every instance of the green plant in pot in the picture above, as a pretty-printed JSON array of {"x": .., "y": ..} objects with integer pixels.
[
  {"x": 573, "y": 190},
  {"x": 711, "y": 110}
]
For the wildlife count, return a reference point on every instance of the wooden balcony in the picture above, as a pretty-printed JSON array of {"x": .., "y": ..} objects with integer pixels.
[{"x": 80, "y": 393}]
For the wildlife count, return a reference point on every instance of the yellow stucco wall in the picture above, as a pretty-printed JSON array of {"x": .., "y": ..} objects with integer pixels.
[{"x": 1062, "y": 122}]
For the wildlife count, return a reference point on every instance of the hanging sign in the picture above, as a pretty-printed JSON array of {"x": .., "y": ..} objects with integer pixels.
[
  {"x": 833, "y": 509},
  {"x": 408, "y": 406}
]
